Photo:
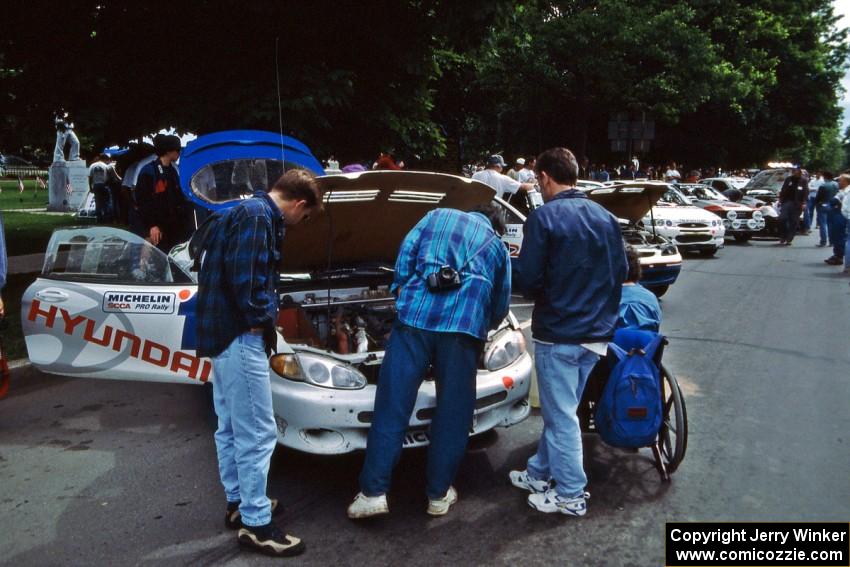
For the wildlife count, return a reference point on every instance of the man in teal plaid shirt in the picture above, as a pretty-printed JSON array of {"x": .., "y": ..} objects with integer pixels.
[{"x": 442, "y": 323}]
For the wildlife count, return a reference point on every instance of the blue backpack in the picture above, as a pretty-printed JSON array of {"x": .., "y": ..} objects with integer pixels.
[{"x": 629, "y": 413}]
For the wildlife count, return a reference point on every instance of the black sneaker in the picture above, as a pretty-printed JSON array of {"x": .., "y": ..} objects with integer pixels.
[
  {"x": 270, "y": 540},
  {"x": 233, "y": 518}
]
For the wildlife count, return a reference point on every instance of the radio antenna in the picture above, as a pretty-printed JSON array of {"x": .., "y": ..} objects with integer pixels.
[{"x": 279, "y": 106}]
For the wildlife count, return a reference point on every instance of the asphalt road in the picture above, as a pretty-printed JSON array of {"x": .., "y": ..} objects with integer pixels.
[{"x": 122, "y": 473}]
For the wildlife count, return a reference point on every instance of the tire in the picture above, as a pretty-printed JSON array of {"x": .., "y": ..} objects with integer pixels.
[
  {"x": 673, "y": 435},
  {"x": 660, "y": 290},
  {"x": 743, "y": 238}
]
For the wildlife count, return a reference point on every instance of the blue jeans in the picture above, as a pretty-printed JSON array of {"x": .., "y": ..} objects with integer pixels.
[
  {"x": 562, "y": 371},
  {"x": 246, "y": 435},
  {"x": 847, "y": 246},
  {"x": 823, "y": 224},
  {"x": 789, "y": 218},
  {"x": 101, "y": 201},
  {"x": 837, "y": 232},
  {"x": 809, "y": 213},
  {"x": 409, "y": 353}
]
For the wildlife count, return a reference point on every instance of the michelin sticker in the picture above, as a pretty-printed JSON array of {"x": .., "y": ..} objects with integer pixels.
[{"x": 135, "y": 302}]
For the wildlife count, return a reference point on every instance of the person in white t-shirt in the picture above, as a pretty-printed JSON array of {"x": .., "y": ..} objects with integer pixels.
[
  {"x": 98, "y": 176},
  {"x": 526, "y": 174},
  {"x": 672, "y": 174},
  {"x": 493, "y": 176},
  {"x": 513, "y": 172}
]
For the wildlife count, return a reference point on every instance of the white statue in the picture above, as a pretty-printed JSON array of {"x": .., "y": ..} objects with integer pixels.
[{"x": 65, "y": 134}]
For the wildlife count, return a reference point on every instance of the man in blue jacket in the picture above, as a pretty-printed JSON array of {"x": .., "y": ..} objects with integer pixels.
[
  {"x": 573, "y": 263},
  {"x": 237, "y": 310},
  {"x": 453, "y": 284}
]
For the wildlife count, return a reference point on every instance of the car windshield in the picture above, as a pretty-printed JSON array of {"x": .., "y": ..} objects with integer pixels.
[
  {"x": 235, "y": 179},
  {"x": 675, "y": 197},
  {"x": 702, "y": 192},
  {"x": 108, "y": 254},
  {"x": 770, "y": 180}
]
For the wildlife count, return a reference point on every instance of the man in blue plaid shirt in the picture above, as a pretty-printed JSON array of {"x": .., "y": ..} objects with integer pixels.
[
  {"x": 237, "y": 309},
  {"x": 442, "y": 323}
]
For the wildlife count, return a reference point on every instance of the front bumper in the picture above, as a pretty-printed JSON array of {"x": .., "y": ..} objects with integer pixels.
[
  {"x": 657, "y": 275},
  {"x": 691, "y": 241},
  {"x": 699, "y": 246},
  {"x": 743, "y": 226},
  {"x": 329, "y": 421}
]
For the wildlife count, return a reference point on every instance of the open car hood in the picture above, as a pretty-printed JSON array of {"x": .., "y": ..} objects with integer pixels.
[
  {"x": 631, "y": 201},
  {"x": 368, "y": 214}
]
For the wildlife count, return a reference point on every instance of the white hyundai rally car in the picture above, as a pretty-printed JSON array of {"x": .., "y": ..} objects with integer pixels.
[{"x": 109, "y": 305}]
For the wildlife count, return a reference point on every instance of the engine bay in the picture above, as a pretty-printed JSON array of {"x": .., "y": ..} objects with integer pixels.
[{"x": 350, "y": 321}]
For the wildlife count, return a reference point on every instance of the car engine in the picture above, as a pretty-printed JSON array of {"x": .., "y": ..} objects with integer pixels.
[{"x": 352, "y": 323}]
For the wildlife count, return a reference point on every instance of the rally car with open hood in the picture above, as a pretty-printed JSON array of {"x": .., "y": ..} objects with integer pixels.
[
  {"x": 740, "y": 221},
  {"x": 660, "y": 259},
  {"x": 110, "y": 305},
  {"x": 630, "y": 202}
]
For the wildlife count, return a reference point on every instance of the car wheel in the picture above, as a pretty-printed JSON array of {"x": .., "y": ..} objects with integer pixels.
[
  {"x": 660, "y": 290},
  {"x": 743, "y": 237}
]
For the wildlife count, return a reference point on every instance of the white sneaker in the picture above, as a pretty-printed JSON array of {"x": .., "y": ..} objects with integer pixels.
[
  {"x": 520, "y": 479},
  {"x": 368, "y": 506},
  {"x": 441, "y": 506},
  {"x": 550, "y": 501}
]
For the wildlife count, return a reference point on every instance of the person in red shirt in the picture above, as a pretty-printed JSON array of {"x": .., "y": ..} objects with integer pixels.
[{"x": 386, "y": 161}]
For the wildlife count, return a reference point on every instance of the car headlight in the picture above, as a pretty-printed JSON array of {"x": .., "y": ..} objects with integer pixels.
[
  {"x": 504, "y": 348},
  {"x": 669, "y": 250},
  {"x": 669, "y": 223},
  {"x": 757, "y": 215},
  {"x": 317, "y": 370},
  {"x": 731, "y": 215},
  {"x": 713, "y": 223},
  {"x": 659, "y": 222}
]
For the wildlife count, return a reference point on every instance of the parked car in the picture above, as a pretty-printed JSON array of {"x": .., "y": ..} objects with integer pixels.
[
  {"x": 722, "y": 184},
  {"x": 690, "y": 228},
  {"x": 762, "y": 194},
  {"x": 110, "y": 305},
  {"x": 740, "y": 221}
]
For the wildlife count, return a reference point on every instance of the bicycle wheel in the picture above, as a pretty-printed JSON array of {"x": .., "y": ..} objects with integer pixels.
[{"x": 673, "y": 435}]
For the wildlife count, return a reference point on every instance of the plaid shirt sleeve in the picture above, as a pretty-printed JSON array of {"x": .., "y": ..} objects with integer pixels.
[
  {"x": 501, "y": 292},
  {"x": 405, "y": 266},
  {"x": 248, "y": 273}
]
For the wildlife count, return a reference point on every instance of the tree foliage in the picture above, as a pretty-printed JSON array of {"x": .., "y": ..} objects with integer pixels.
[{"x": 728, "y": 83}]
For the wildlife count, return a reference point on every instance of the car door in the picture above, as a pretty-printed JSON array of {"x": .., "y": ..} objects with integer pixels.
[{"x": 108, "y": 304}]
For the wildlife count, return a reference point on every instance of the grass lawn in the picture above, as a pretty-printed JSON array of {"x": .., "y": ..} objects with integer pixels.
[
  {"x": 11, "y": 197},
  {"x": 13, "y": 338},
  {"x": 28, "y": 233}
]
